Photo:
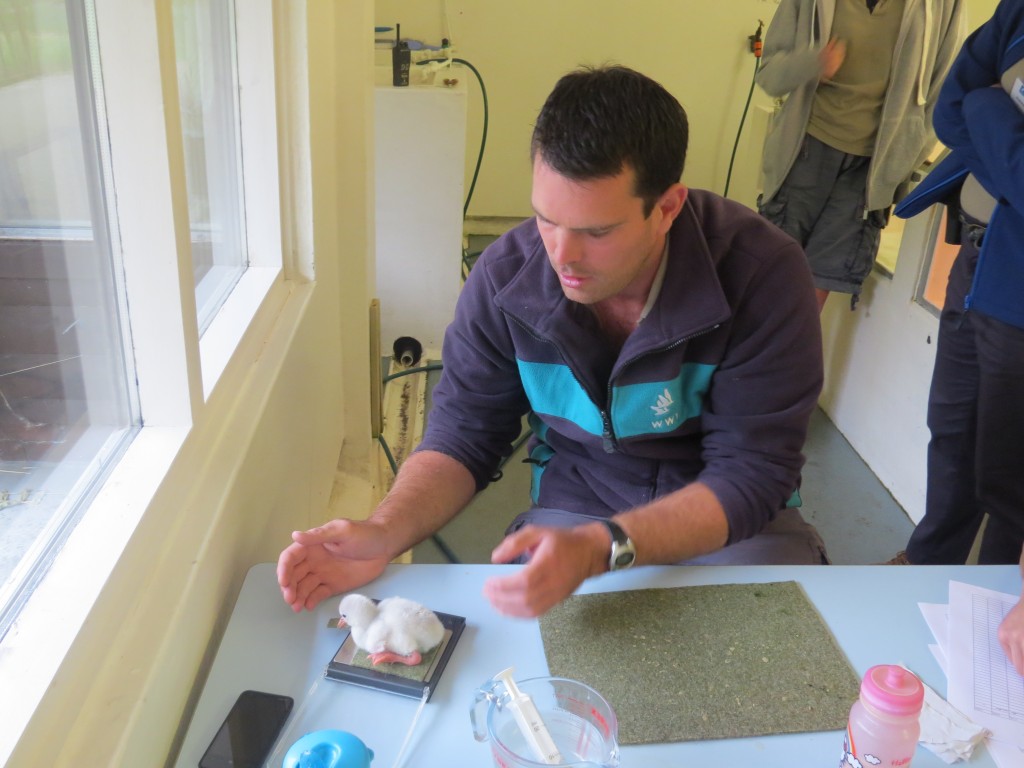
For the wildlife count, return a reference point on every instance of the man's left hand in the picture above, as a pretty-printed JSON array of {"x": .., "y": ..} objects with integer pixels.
[{"x": 560, "y": 559}]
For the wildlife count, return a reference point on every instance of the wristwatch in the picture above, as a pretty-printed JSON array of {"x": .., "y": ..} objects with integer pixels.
[{"x": 623, "y": 552}]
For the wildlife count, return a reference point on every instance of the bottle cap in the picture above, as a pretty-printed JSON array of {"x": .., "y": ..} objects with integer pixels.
[{"x": 892, "y": 689}]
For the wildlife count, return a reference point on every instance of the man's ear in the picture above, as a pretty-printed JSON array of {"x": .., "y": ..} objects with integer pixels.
[{"x": 671, "y": 203}]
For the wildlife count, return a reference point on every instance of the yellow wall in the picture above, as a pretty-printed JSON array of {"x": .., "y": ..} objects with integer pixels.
[{"x": 695, "y": 48}]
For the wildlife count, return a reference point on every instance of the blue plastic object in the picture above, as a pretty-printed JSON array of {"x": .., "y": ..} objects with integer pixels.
[
  {"x": 419, "y": 45},
  {"x": 328, "y": 749}
]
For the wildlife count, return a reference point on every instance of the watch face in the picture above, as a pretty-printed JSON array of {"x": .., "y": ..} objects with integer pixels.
[
  {"x": 623, "y": 552},
  {"x": 623, "y": 559}
]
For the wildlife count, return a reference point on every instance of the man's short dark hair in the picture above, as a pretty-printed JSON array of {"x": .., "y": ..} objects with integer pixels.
[{"x": 599, "y": 120}]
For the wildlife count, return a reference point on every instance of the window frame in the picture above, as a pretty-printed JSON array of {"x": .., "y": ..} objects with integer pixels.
[{"x": 938, "y": 255}]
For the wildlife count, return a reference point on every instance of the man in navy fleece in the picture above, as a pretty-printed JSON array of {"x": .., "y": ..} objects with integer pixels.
[{"x": 666, "y": 345}]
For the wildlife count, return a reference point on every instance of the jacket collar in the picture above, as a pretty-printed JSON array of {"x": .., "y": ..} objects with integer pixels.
[{"x": 691, "y": 301}]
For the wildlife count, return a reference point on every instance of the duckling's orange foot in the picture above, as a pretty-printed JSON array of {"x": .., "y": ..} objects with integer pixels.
[{"x": 389, "y": 657}]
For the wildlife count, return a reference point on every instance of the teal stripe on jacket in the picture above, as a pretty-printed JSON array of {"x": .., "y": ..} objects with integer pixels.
[
  {"x": 554, "y": 391},
  {"x": 637, "y": 409}
]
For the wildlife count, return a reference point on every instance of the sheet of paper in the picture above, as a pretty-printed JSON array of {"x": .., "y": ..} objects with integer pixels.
[
  {"x": 936, "y": 616},
  {"x": 982, "y": 682},
  {"x": 940, "y": 657},
  {"x": 1005, "y": 755}
]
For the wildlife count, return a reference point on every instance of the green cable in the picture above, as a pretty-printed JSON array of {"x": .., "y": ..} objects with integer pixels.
[
  {"x": 410, "y": 371},
  {"x": 739, "y": 131}
]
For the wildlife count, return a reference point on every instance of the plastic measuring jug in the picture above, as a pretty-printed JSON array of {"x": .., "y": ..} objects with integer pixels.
[{"x": 577, "y": 718}]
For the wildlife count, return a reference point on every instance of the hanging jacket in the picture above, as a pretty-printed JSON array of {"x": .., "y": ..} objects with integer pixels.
[
  {"x": 929, "y": 38},
  {"x": 983, "y": 126},
  {"x": 716, "y": 384}
]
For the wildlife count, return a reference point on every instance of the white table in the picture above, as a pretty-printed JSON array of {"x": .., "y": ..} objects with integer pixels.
[{"x": 871, "y": 610}]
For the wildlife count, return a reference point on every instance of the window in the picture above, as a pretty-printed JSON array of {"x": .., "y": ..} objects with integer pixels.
[
  {"x": 96, "y": 337},
  {"x": 938, "y": 254},
  {"x": 94, "y": 192},
  {"x": 67, "y": 406},
  {"x": 205, "y": 54},
  {"x": 939, "y": 257}
]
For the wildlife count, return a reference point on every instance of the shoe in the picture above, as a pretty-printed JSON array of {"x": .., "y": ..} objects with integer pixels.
[{"x": 900, "y": 559}]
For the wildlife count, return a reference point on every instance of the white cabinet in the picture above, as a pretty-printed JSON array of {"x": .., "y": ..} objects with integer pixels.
[{"x": 420, "y": 137}]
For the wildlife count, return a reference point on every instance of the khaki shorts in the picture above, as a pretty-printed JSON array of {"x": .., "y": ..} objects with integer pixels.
[{"x": 821, "y": 206}]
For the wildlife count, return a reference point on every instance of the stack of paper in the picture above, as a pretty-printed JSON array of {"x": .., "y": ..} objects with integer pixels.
[{"x": 983, "y": 684}]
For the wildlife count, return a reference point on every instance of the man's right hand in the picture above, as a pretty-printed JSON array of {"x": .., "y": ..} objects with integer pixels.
[
  {"x": 831, "y": 57},
  {"x": 560, "y": 560},
  {"x": 337, "y": 557}
]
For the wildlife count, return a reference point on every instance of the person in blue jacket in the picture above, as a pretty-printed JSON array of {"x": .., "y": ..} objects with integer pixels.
[
  {"x": 665, "y": 342},
  {"x": 976, "y": 402}
]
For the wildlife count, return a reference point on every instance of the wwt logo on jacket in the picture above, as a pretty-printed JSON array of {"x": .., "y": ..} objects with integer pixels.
[{"x": 661, "y": 408}]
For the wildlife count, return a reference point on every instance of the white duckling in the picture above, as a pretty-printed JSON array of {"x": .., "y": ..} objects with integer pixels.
[{"x": 393, "y": 630}]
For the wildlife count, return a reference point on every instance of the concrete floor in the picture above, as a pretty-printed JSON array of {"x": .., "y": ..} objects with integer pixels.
[{"x": 857, "y": 517}]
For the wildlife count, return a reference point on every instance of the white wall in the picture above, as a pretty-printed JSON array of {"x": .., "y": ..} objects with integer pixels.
[
  {"x": 420, "y": 137},
  {"x": 878, "y": 365},
  {"x": 259, "y": 461}
]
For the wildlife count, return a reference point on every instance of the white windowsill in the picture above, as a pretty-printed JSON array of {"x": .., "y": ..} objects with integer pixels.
[
  {"x": 234, "y": 319},
  {"x": 32, "y": 651}
]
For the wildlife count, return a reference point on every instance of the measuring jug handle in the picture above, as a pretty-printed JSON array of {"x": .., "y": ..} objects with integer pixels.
[{"x": 483, "y": 700}]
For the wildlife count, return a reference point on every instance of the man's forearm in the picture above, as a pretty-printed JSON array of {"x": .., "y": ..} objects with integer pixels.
[
  {"x": 1022, "y": 573},
  {"x": 430, "y": 489},
  {"x": 684, "y": 524}
]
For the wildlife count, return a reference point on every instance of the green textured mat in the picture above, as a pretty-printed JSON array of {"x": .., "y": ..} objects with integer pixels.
[{"x": 708, "y": 662}]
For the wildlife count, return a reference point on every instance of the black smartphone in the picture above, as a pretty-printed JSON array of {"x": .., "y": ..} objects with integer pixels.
[{"x": 248, "y": 733}]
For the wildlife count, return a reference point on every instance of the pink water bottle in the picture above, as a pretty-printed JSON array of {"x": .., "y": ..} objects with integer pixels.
[{"x": 884, "y": 728}]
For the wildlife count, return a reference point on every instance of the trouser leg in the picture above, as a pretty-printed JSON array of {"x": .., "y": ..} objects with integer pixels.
[
  {"x": 1000, "y": 438},
  {"x": 1001, "y": 543},
  {"x": 797, "y": 205},
  {"x": 786, "y": 540},
  {"x": 952, "y": 516},
  {"x": 821, "y": 205},
  {"x": 842, "y": 247}
]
